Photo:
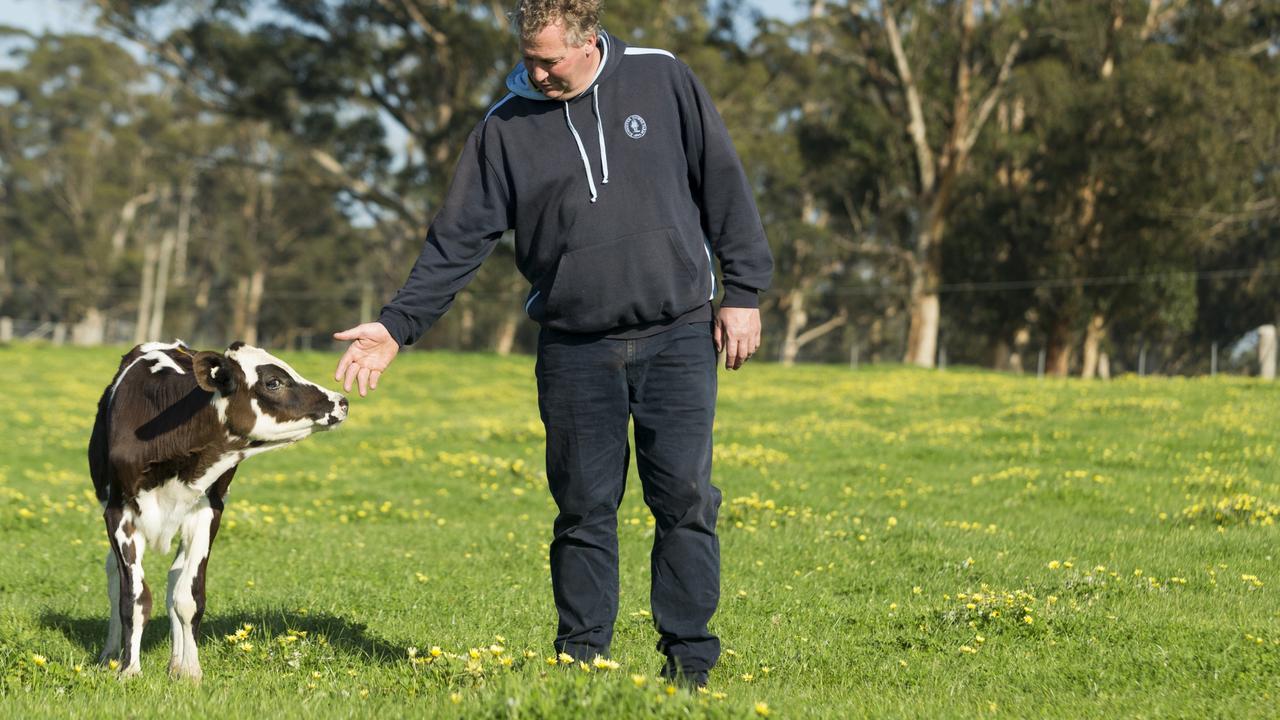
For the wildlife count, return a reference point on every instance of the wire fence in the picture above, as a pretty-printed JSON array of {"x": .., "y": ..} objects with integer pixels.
[{"x": 1253, "y": 355}]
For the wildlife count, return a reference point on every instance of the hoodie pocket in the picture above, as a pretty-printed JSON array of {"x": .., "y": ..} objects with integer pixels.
[{"x": 635, "y": 279}]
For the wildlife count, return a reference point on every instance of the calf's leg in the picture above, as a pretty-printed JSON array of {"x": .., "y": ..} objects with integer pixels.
[
  {"x": 134, "y": 605},
  {"x": 186, "y": 587},
  {"x": 172, "y": 600},
  {"x": 112, "y": 649}
]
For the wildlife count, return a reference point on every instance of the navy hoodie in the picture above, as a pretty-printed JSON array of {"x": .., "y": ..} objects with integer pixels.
[{"x": 619, "y": 198}]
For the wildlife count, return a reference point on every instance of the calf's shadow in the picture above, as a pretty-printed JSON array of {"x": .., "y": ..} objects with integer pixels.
[{"x": 344, "y": 636}]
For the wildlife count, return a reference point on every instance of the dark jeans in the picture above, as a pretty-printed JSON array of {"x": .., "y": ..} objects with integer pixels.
[{"x": 588, "y": 388}]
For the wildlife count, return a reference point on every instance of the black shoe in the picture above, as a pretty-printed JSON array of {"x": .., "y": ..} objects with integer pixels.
[{"x": 691, "y": 681}]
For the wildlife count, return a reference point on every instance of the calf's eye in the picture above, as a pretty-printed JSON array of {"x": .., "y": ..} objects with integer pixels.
[{"x": 274, "y": 384}]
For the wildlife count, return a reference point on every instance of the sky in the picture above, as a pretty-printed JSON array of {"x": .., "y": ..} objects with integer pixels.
[{"x": 64, "y": 15}]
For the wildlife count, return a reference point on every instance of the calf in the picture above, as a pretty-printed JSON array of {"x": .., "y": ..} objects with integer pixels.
[{"x": 169, "y": 433}]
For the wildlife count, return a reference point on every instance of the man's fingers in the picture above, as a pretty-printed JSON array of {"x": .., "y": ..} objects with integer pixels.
[
  {"x": 348, "y": 334},
  {"x": 342, "y": 365},
  {"x": 349, "y": 377},
  {"x": 744, "y": 351},
  {"x": 733, "y": 354},
  {"x": 373, "y": 379},
  {"x": 717, "y": 331},
  {"x": 362, "y": 378}
]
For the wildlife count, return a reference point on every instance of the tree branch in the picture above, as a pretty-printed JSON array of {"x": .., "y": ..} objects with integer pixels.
[
  {"x": 439, "y": 39},
  {"x": 363, "y": 189},
  {"x": 127, "y": 213},
  {"x": 916, "y": 126},
  {"x": 813, "y": 333},
  {"x": 993, "y": 95}
]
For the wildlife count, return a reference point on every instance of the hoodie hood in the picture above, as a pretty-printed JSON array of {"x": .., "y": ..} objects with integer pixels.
[{"x": 611, "y": 52}]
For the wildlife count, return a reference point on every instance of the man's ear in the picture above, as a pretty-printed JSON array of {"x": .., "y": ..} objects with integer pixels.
[{"x": 213, "y": 373}]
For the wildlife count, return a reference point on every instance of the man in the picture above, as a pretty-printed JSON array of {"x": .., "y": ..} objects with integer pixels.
[{"x": 618, "y": 176}]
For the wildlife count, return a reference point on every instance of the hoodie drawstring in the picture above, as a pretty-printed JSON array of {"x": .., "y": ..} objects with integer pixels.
[
  {"x": 582, "y": 151},
  {"x": 586, "y": 164},
  {"x": 604, "y": 155}
]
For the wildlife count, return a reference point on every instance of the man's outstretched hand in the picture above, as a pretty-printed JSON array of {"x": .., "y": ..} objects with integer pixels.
[
  {"x": 737, "y": 334},
  {"x": 371, "y": 351}
]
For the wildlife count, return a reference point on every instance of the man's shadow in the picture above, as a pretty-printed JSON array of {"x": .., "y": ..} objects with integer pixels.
[{"x": 342, "y": 635}]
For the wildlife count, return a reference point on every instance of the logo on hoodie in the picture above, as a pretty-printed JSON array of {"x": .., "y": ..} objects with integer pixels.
[{"x": 635, "y": 126}]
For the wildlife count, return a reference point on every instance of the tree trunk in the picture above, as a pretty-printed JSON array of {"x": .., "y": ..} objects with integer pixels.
[
  {"x": 505, "y": 339},
  {"x": 796, "y": 319},
  {"x": 253, "y": 305},
  {"x": 924, "y": 307},
  {"x": 1093, "y": 337},
  {"x": 184, "y": 231},
  {"x": 240, "y": 309},
  {"x": 1058, "y": 354},
  {"x": 91, "y": 330},
  {"x": 1001, "y": 354},
  {"x": 1267, "y": 352},
  {"x": 922, "y": 337},
  {"x": 145, "y": 296},
  {"x": 512, "y": 314},
  {"x": 161, "y": 292},
  {"x": 1021, "y": 340},
  {"x": 200, "y": 310},
  {"x": 466, "y": 324}
]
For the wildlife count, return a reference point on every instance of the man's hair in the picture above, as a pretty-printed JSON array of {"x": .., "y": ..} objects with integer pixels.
[{"x": 581, "y": 18}]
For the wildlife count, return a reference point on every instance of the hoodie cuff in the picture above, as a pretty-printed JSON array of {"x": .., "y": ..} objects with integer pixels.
[
  {"x": 395, "y": 324},
  {"x": 740, "y": 297}
]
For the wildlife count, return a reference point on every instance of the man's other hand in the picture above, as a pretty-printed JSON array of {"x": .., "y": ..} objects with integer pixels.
[
  {"x": 371, "y": 351},
  {"x": 737, "y": 334}
]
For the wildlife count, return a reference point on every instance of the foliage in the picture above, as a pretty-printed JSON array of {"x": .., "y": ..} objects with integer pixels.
[{"x": 1130, "y": 156}]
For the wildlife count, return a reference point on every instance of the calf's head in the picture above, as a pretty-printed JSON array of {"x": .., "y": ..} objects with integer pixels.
[{"x": 261, "y": 399}]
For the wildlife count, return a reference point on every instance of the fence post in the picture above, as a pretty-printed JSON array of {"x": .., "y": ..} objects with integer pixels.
[
  {"x": 853, "y": 357},
  {"x": 1040, "y": 366},
  {"x": 6, "y": 329},
  {"x": 1267, "y": 351},
  {"x": 1213, "y": 361},
  {"x": 1142, "y": 361}
]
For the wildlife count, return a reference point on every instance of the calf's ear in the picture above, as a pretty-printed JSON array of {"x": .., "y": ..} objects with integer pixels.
[{"x": 213, "y": 373}]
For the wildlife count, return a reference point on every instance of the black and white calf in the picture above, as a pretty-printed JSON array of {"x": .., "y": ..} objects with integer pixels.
[{"x": 169, "y": 433}]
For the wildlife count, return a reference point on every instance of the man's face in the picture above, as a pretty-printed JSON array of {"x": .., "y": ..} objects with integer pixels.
[{"x": 557, "y": 69}]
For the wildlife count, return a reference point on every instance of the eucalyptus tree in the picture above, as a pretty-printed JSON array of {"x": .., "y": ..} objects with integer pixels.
[
  {"x": 1127, "y": 146},
  {"x": 74, "y": 157},
  {"x": 909, "y": 89},
  {"x": 381, "y": 94}
]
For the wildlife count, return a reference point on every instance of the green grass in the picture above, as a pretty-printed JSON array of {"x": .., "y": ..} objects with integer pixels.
[{"x": 1130, "y": 522}]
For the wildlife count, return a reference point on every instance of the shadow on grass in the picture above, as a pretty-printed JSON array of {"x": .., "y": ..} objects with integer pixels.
[{"x": 344, "y": 636}]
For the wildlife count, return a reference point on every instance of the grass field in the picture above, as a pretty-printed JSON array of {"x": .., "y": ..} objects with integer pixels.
[{"x": 895, "y": 543}]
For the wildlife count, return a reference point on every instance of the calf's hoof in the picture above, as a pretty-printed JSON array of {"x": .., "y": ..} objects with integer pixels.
[{"x": 178, "y": 671}]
